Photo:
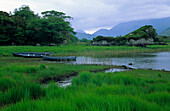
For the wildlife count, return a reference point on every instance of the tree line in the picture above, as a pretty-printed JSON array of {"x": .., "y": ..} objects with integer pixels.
[{"x": 24, "y": 27}]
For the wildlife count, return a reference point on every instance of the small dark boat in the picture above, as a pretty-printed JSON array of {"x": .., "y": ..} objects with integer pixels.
[
  {"x": 50, "y": 58},
  {"x": 32, "y": 54}
]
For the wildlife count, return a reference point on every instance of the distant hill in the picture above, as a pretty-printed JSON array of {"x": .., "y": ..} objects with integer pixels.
[
  {"x": 81, "y": 34},
  {"x": 143, "y": 36},
  {"x": 124, "y": 28},
  {"x": 166, "y": 32},
  {"x": 81, "y": 31}
]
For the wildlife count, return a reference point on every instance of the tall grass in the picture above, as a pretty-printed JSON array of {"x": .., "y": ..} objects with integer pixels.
[
  {"x": 82, "y": 50},
  {"x": 20, "y": 81},
  {"x": 15, "y": 94},
  {"x": 137, "y": 90},
  {"x": 121, "y": 91}
]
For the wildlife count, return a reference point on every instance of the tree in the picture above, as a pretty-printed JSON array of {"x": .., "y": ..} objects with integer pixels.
[
  {"x": 6, "y": 28},
  {"x": 55, "y": 14},
  {"x": 22, "y": 17},
  {"x": 23, "y": 27},
  {"x": 58, "y": 27}
]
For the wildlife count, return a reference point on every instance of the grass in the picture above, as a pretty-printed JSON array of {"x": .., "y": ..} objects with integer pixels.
[
  {"x": 119, "y": 91},
  {"x": 82, "y": 50},
  {"x": 137, "y": 90}
]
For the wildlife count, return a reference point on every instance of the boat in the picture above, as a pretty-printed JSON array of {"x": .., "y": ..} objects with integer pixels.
[
  {"x": 32, "y": 54},
  {"x": 51, "y": 58}
]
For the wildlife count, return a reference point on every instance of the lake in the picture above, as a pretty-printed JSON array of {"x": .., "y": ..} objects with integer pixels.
[{"x": 156, "y": 61}]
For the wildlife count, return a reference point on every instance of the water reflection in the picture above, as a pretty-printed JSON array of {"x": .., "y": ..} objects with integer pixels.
[
  {"x": 145, "y": 61},
  {"x": 116, "y": 70},
  {"x": 156, "y": 61}
]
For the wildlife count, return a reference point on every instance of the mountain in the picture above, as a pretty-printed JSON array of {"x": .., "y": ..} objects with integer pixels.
[
  {"x": 81, "y": 34},
  {"x": 102, "y": 32},
  {"x": 80, "y": 31},
  {"x": 127, "y": 27},
  {"x": 143, "y": 36},
  {"x": 166, "y": 32}
]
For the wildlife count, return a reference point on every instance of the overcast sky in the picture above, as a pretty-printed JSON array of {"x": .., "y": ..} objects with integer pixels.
[{"x": 91, "y": 15}]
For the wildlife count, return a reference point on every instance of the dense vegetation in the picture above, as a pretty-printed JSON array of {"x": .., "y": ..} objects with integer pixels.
[
  {"x": 23, "y": 27},
  {"x": 165, "y": 39}
]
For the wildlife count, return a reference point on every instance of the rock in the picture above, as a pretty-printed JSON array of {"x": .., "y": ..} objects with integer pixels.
[
  {"x": 150, "y": 69},
  {"x": 125, "y": 67},
  {"x": 37, "y": 44},
  {"x": 130, "y": 64},
  {"x": 141, "y": 42}
]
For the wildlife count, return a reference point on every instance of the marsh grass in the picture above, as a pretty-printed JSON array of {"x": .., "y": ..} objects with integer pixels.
[
  {"x": 83, "y": 50},
  {"x": 20, "y": 81},
  {"x": 26, "y": 91},
  {"x": 120, "y": 91},
  {"x": 135, "y": 90}
]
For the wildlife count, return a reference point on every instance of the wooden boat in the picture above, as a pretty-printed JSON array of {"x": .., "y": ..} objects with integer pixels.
[
  {"x": 32, "y": 54},
  {"x": 50, "y": 58}
]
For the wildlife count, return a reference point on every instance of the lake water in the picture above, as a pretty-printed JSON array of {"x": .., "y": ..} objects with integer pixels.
[{"x": 156, "y": 61}]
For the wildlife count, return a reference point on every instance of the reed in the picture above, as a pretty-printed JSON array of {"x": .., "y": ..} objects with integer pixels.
[
  {"x": 20, "y": 78},
  {"x": 26, "y": 91},
  {"x": 119, "y": 91},
  {"x": 82, "y": 50}
]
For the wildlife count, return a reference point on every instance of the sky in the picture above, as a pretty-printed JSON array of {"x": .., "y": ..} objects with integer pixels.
[{"x": 92, "y": 15}]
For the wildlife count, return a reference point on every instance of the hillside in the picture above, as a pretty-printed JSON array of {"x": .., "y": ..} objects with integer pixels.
[
  {"x": 166, "y": 32},
  {"x": 81, "y": 35},
  {"x": 143, "y": 36},
  {"x": 127, "y": 27}
]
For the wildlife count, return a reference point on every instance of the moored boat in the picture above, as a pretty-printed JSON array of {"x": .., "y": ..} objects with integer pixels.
[
  {"x": 32, "y": 54},
  {"x": 68, "y": 58}
]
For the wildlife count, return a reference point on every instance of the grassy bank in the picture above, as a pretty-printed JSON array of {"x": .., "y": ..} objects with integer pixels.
[
  {"x": 21, "y": 80},
  {"x": 82, "y": 50},
  {"x": 18, "y": 73},
  {"x": 136, "y": 90}
]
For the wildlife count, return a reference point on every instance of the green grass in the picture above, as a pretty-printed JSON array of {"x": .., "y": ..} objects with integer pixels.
[
  {"x": 137, "y": 90},
  {"x": 82, "y": 50},
  {"x": 21, "y": 81},
  {"x": 19, "y": 73},
  {"x": 120, "y": 91}
]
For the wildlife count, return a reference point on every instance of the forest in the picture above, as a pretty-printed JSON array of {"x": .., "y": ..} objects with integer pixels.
[{"x": 24, "y": 27}]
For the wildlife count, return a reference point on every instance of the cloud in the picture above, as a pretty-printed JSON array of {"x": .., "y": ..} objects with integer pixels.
[{"x": 91, "y": 15}]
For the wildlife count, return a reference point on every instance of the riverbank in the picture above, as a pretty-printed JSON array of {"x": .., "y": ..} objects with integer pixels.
[
  {"x": 83, "y": 50},
  {"x": 141, "y": 90}
]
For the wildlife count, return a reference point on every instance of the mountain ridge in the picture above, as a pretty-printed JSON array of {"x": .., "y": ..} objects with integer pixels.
[{"x": 127, "y": 27}]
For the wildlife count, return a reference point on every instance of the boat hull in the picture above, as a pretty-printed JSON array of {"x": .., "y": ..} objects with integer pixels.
[{"x": 32, "y": 54}]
